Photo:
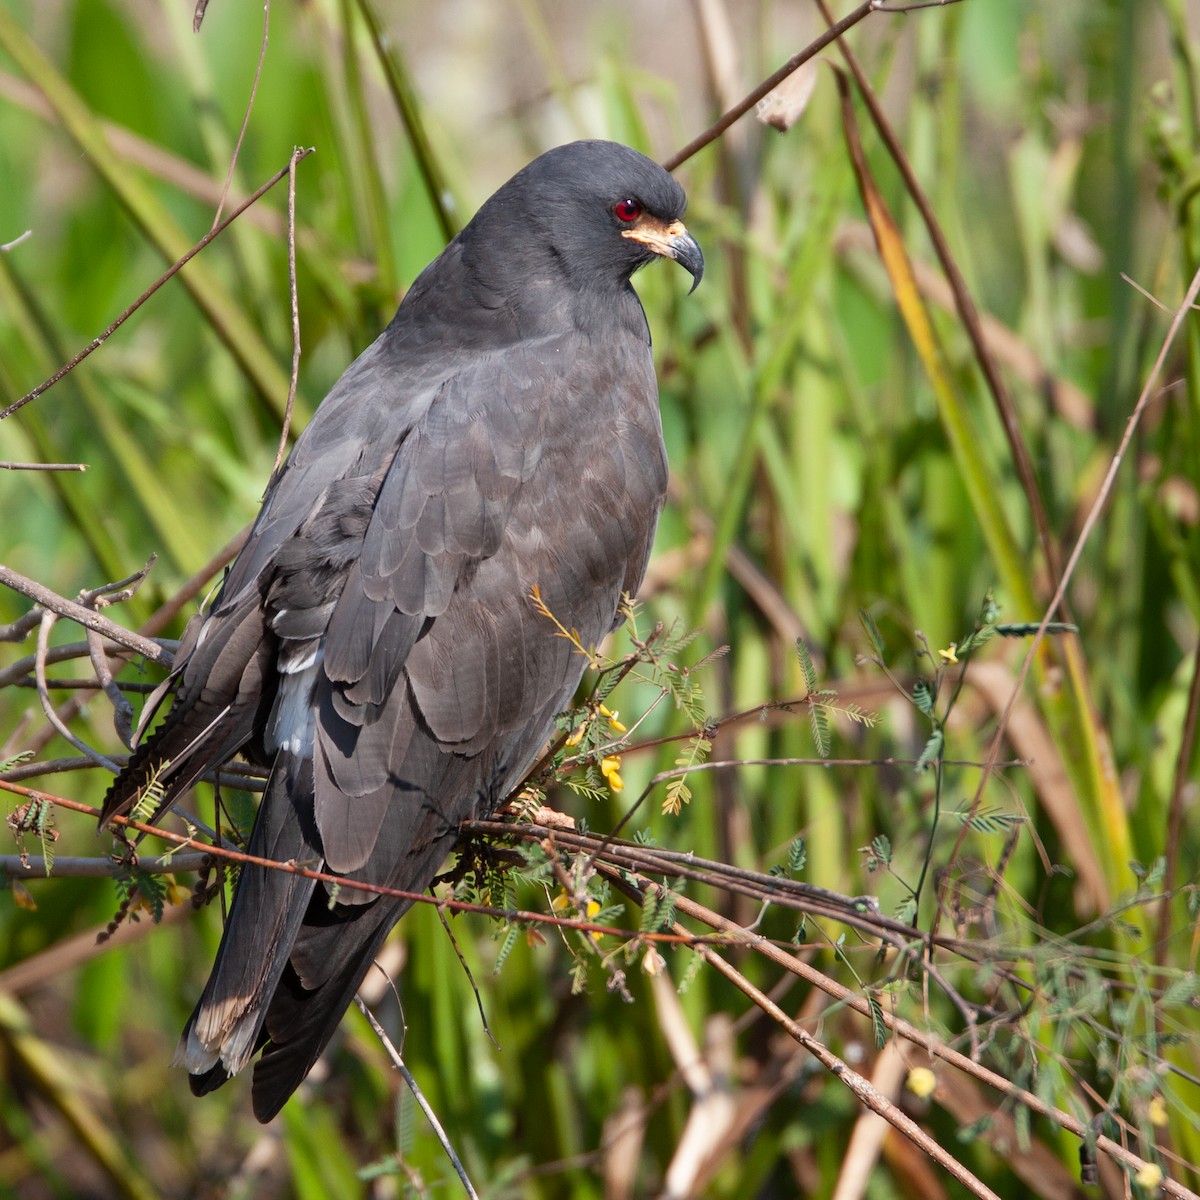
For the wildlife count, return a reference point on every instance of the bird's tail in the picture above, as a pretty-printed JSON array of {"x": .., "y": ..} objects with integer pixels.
[
  {"x": 290, "y": 960},
  {"x": 268, "y": 909},
  {"x": 306, "y": 1009}
]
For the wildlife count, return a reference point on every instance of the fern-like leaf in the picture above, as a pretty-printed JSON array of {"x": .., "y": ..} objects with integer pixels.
[
  {"x": 989, "y": 820},
  {"x": 872, "y": 630},
  {"x": 931, "y": 752},
  {"x": 819, "y": 722},
  {"x": 797, "y": 857},
  {"x": 506, "y": 946},
  {"x": 806, "y": 666},
  {"x": 678, "y": 792}
]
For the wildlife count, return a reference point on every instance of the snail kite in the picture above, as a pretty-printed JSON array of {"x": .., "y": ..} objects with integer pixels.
[{"x": 374, "y": 644}]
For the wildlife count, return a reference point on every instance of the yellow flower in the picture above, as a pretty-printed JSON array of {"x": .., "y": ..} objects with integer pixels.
[
  {"x": 613, "y": 722},
  {"x": 1156, "y": 1110},
  {"x": 176, "y": 892},
  {"x": 562, "y": 905},
  {"x": 921, "y": 1082},
  {"x": 610, "y": 768},
  {"x": 950, "y": 654},
  {"x": 574, "y": 738},
  {"x": 1149, "y": 1177}
]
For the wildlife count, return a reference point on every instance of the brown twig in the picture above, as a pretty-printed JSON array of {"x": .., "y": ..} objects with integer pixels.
[
  {"x": 237, "y": 856},
  {"x": 40, "y": 466},
  {"x": 58, "y": 684},
  {"x": 60, "y": 726},
  {"x": 295, "y": 299},
  {"x": 171, "y": 271},
  {"x": 17, "y": 866},
  {"x": 928, "y": 1042},
  {"x": 87, "y": 617},
  {"x": 192, "y": 587},
  {"x": 744, "y": 105},
  {"x": 724, "y": 931},
  {"x": 419, "y": 1096},
  {"x": 237, "y": 146},
  {"x": 861, "y": 1087},
  {"x": 112, "y": 593}
]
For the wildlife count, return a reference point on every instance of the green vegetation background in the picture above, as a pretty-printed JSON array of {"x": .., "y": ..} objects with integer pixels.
[{"x": 817, "y": 472}]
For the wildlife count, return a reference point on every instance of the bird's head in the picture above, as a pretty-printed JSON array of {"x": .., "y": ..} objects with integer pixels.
[{"x": 592, "y": 212}]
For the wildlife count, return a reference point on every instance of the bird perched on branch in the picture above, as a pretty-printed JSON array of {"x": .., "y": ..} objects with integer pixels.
[{"x": 375, "y": 643}]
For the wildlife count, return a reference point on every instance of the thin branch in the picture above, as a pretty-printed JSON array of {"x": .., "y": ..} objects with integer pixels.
[
  {"x": 243, "y": 776},
  {"x": 193, "y": 586},
  {"x": 40, "y": 466},
  {"x": 85, "y": 685},
  {"x": 794, "y": 63},
  {"x": 20, "y": 866},
  {"x": 462, "y": 962},
  {"x": 724, "y": 931},
  {"x": 22, "y": 237},
  {"x": 122, "y": 709},
  {"x": 101, "y": 597},
  {"x": 419, "y": 1096},
  {"x": 237, "y": 146},
  {"x": 863, "y": 1090},
  {"x": 48, "y": 620},
  {"x": 931, "y": 1044},
  {"x": 295, "y": 299},
  {"x": 237, "y": 856},
  {"x": 87, "y": 617},
  {"x": 171, "y": 271}
]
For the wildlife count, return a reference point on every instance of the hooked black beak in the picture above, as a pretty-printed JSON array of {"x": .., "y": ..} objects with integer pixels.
[
  {"x": 671, "y": 241},
  {"x": 685, "y": 250}
]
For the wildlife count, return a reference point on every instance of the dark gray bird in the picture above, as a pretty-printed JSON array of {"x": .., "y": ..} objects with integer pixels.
[{"x": 375, "y": 644}]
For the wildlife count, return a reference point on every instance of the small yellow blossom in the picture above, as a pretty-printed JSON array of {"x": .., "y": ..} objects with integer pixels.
[
  {"x": 1149, "y": 1177},
  {"x": 950, "y": 654},
  {"x": 921, "y": 1082},
  {"x": 610, "y": 768},
  {"x": 574, "y": 738},
  {"x": 1156, "y": 1110},
  {"x": 614, "y": 722},
  {"x": 562, "y": 905},
  {"x": 593, "y": 907}
]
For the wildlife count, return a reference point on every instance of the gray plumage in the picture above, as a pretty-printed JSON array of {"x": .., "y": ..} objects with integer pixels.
[{"x": 375, "y": 643}]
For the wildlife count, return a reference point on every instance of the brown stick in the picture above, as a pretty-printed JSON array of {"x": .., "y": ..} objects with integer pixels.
[{"x": 86, "y": 617}]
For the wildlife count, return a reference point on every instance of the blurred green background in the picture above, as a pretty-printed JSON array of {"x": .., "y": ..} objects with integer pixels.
[{"x": 819, "y": 469}]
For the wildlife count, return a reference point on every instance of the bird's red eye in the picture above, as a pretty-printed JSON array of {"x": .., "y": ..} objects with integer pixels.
[{"x": 627, "y": 211}]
